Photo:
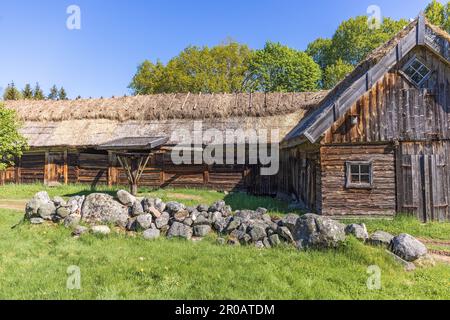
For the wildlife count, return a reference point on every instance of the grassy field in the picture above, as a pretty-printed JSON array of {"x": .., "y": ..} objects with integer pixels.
[{"x": 34, "y": 262}]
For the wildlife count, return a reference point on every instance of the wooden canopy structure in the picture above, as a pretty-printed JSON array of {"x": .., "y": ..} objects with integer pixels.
[{"x": 133, "y": 154}]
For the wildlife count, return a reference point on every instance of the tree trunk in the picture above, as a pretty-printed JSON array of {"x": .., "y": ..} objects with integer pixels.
[{"x": 134, "y": 189}]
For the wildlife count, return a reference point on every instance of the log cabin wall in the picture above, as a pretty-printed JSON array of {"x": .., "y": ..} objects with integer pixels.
[
  {"x": 338, "y": 200},
  {"x": 299, "y": 175},
  {"x": 395, "y": 109}
]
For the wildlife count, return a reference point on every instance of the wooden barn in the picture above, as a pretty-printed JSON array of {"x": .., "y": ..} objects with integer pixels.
[
  {"x": 78, "y": 141},
  {"x": 375, "y": 145},
  {"x": 379, "y": 142}
]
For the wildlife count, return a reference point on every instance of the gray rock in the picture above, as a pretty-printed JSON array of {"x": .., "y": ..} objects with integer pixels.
[
  {"x": 408, "y": 266},
  {"x": 47, "y": 210},
  {"x": 259, "y": 245},
  {"x": 290, "y": 221},
  {"x": 245, "y": 238},
  {"x": 202, "y": 208},
  {"x": 148, "y": 203},
  {"x": 102, "y": 208},
  {"x": 201, "y": 220},
  {"x": 234, "y": 224},
  {"x": 126, "y": 198},
  {"x": 284, "y": 233},
  {"x": 137, "y": 209},
  {"x": 180, "y": 230},
  {"x": 227, "y": 211},
  {"x": 407, "y": 247},
  {"x": 380, "y": 238},
  {"x": 63, "y": 212},
  {"x": 37, "y": 221},
  {"x": 131, "y": 224},
  {"x": 38, "y": 200},
  {"x": 58, "y": 201},
  {"x": 267, "y": 243},
  {"x": 359, "y": 231},
  {"x": 217, "y": 206},
  {"x": 233, "y": 242},
  {"x": 143, "y": 222},
  {"x": 258, "y": 232},
  {"x": 72, "y": 221},
  {"x": 102, "y": 230},
  {"x": 79, "y": 230},
  {"x": 220, "y": 225},
  {"x": 314, "y": 231},
  {"x": 263, "y": 211},
  {"x": 274, "y": 240},
  {"x": 75, "y": 204},
  {"x": 191, "y": 210},
  {"x": 151, "y": 234},
  {"x": 202, "y": 230},
  {"x": 181, "y": 215},
  {"x": 221, "y": 241},
  {"x": 173, "y": 207},
  {"x": 160, "y": 205},
  {"x": 163, "y": 220},
  {"x": 188, "y": 222}
]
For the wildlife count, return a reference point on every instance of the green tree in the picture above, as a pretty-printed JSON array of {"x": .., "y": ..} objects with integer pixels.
[
  {"x": 278, "y": 68},
  {"x": 336, "y": 72},
  {"x": 38, "y": 94},
  {"x": 27, "y": 92},
  {"x": 196, "y": 69},
  {"x": 12, "y": 143},
  {"x": 53, "y": 95},
  {"x": 436, "y": 13},
  {"x": 62, "y": 94},
  {"x": 321, "y": 50},
  {"x": 12, "y": 93}
]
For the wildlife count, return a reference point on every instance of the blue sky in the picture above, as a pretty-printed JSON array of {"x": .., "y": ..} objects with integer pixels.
[{"x": 116, "y": 35}]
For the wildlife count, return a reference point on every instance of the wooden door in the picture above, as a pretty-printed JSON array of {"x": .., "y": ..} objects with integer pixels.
[
  {"x": 56, "y": 168},
  {"x": 423, "y": 188}
]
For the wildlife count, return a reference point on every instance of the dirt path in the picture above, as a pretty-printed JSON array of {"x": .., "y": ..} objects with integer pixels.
[{"x": 18, "y": 205}]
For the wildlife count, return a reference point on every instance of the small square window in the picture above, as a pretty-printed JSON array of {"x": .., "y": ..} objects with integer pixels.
[
  {"x": 416, "y": 71},
  {"x": 359, "y": 174}
]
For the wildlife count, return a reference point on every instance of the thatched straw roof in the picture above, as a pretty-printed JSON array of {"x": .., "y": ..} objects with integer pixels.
[
  {"x": 90, "y": 123},
  {"x": 166, "y": 106}
]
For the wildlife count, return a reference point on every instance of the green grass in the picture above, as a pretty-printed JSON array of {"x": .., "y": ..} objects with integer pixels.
[
  {"x": 237, "y": 200},
  {"x": 34, "y": 262},
  {"x": 408, "y": 224}
]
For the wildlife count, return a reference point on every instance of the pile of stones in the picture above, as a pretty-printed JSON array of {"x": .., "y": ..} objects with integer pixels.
[{"x": 153, "y": 218}]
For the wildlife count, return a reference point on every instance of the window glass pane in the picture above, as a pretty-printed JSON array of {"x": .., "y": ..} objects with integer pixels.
[
  {"x": 365, "y": 169},
  {"x": 416, "y": 64},
  {"x": 365, "y": 179},
  {"x": 409, "y": 71},
  {"x": 416, "y": 78},
  {"x": 355, "y": 178},
  {"x": 354, "y": 169},
  {"x": 423, "y": 71}
]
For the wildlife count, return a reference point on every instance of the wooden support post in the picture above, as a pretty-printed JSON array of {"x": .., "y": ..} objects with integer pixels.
[
  {"x": 66, "y": 168},
  {"x": 46, "y": 174},
  {"x": 18, "y": 171},
  {"x": 110, "y": 169}
]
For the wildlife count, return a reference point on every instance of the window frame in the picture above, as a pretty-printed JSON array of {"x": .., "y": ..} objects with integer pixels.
[
  {"x": 408, "y": 64},
  {"x": 349, "y": 184}
]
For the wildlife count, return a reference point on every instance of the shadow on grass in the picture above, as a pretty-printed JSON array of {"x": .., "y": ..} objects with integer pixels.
[{"x": 243, "y": 201}]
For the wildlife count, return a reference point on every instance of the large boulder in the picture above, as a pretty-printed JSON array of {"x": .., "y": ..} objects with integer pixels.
[
  {"x": 126, "y": 198},
  {"x": 143, "y": 222},
  {"x": 174, "y": 207},
  {"x": 380, "y": 238},
  {"x": 314, "y": 231},
  {"x": 101, "y": 230},
  {"x": 408, "y": 248},
  {"x": 258, "y": 232},
  {"x": 102, "y": 208},
  {"x": 359, "y": 231},
  {"x": 202, "y": 230},
  {"x": 75, "y": 204},
  {"x": 180, "y": 230},
  {"x": 163, "y": 220},
  {"x": 40, "y": 199},
  {"x": 290, "y": 221},
  {"x": 151, "y": 234}
]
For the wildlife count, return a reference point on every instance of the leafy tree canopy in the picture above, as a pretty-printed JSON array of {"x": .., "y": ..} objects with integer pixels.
[
  {"x": 27, "y": 92},
  {"x": 196, "y": 69},
  {"x": 12, "y": 143},
  {"x": 53, "y": 95},
  {"x": 334, "y": 73},
  {"x": 38, "y": 94},
  {"x": 282, "y": 69},
  {"x": 439, "y": 14}
]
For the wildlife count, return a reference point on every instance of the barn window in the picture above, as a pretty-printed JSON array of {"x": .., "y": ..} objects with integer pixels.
[
  {"x": 359, "y": 174},
  {"x": 416, "y": 71}
]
